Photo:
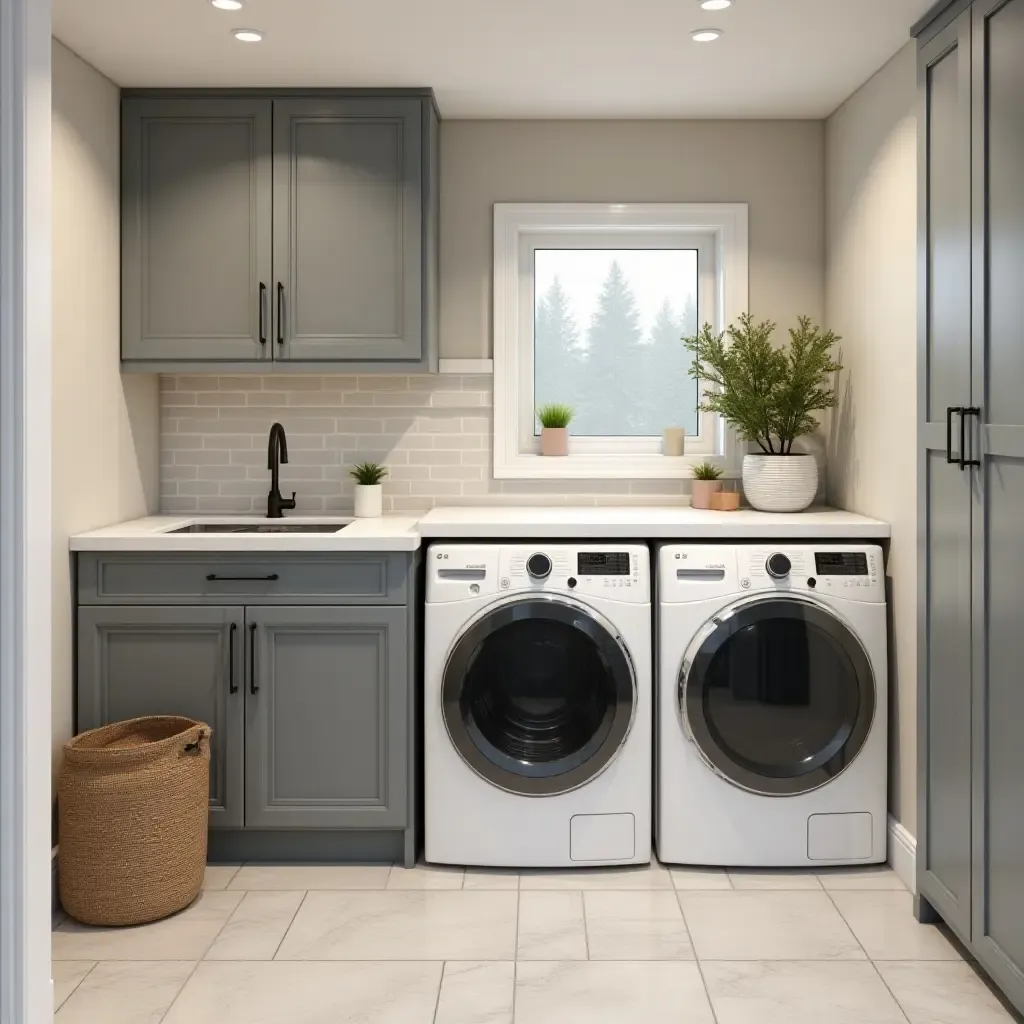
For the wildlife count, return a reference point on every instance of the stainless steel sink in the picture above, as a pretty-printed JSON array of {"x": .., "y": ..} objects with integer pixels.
[{"x": 262, "y": 528}]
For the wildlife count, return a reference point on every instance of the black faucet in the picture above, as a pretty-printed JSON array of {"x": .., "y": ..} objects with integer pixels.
[{"x": 276, "y": 454}]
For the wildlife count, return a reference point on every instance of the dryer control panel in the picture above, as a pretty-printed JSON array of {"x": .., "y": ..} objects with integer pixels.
[{"x": 617, "y": 571}]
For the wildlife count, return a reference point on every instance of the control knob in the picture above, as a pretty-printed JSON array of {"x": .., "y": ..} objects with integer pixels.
[
  {"x": 539, "y": 566},
  {"x": 778, "y": 566}
]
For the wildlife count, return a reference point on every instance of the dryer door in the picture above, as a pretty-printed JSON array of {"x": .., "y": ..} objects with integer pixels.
[
  {"x": 538, "y": 696},
  {"x": 778, "y": 694}
]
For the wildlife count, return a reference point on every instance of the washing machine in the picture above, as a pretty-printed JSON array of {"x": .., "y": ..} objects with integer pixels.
[
  {"x": 771, "y": 717},
  {"x": 538, "y": 697}
]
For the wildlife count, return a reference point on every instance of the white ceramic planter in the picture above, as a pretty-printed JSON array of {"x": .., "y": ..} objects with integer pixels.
[
  {"x": 369, "y": 501},
  {"x": 554, "y": 440},
  {"x": 780, "y": 483}
]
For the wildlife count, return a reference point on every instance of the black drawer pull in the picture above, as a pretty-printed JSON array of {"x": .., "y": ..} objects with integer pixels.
[
  {"x": 263, "y": 313},
  {"x": 252, "y": 659},
  {"x": 232, "y": 686},
  {"x": 241, "y": 579},
  {"x": 971, "y": 410},
  {"x": 949, "y": 433},
  {"x": 280, "y": 313}
]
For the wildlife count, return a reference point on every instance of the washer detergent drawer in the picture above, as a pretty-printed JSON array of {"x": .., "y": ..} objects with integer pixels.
[{"x": 602, "y": 837}]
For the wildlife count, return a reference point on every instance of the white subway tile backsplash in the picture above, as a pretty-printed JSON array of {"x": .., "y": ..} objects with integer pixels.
[{"x": 433, "y": 433}]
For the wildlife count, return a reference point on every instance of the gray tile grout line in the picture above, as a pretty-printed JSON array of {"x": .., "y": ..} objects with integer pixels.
[
  {"x": 586, "y": 925},
  {"x": 95, "y": 964},
  {"x": 440, "y": 985},
  {"x": 284, "y": 934},
  {"x": 515, "y": 956},
  {"x": 693, "y": 947}
]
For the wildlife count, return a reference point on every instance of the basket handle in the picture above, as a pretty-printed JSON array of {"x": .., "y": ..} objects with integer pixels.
[{"x": 197, "y": 746}]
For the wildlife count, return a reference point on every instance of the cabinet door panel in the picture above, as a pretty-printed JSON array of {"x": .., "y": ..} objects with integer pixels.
[
  {"x": 196, "y": 228},
  {"x": 136, "y": 661},
  {"x": 348, "y": 229},
  {"x": 326, "y": 734}
]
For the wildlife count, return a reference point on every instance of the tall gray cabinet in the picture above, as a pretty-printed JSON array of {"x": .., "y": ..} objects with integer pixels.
[{"x": 970, "y": 852}]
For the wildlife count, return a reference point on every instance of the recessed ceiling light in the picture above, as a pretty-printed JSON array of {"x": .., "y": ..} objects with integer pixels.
[
  {"x": 705, "y": 35},
  {"x": 247, "y": 35},
  {"x": 236, "y": 5},
  {"x": 715, "y": 5}
]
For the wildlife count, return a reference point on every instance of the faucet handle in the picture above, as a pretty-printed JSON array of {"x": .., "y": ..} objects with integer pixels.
[{"x": 288, "y": 502}]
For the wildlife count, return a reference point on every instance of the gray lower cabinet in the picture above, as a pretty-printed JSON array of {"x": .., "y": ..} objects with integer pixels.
[
  {"x": 135, "y": 661},
  {"x": 326, "y": 718}
]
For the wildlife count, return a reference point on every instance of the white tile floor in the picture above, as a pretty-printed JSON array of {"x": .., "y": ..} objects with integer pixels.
[{"x": 379, "y": 945}]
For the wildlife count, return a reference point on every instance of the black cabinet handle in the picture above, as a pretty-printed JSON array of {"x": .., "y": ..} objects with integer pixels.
[
  {"x": 252, "y": 659},
  {"x": 232, "y": 686},
  {"x": 970, "y": 410},
  {"x": 280, "y": 313},
  {"x": 236, "y": 579},
  {"x": 949, "y": 433},
  {"x": 263, "y": 313}
]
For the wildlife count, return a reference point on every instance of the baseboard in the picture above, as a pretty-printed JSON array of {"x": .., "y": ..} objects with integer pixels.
[{"x": 903, "y": 854}]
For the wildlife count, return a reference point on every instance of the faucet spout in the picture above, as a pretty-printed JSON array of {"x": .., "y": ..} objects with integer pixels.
[{"x": 277, "y": 453}]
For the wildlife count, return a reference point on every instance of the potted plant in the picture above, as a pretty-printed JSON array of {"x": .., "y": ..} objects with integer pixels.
[
  {"x": 769, "y": 394},
  {"x": 369, "y": 492},
  {"x": 706, "y": 480},
  {"x": 554, "y": 428}
]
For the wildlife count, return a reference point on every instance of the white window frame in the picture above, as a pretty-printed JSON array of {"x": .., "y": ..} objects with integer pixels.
[{"x": 717, "y": 230}]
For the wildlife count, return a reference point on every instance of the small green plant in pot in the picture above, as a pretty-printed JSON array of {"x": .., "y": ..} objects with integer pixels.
[
  {"x": 706, "y": 481},
  {"x": 369, "y": 491},
  {"x": 554, "y": 428},
  {"x": 769, "y": 395}
]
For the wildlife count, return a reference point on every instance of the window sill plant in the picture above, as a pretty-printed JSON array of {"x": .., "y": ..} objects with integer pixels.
[
  {"x": 769, "y": 394},
  {"x": 554, "y": 428},
  {"x": 368, "y": 490},
  {"x": 706, "y": 482}
]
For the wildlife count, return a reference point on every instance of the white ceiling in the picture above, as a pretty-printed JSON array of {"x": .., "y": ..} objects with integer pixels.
[{"x": 511, "y": 58}]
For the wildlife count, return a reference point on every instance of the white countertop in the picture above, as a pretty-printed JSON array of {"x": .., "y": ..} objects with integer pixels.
[
  {"x": 154, "y": 533},
  {"x": 646, "y": 522}
]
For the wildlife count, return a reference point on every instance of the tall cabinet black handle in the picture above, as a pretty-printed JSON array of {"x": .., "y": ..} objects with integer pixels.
[
  {"x": 949, "y": 432},
  {"x": 252, "y": 659},
  {"x": 970, "y": 410},
  {"x": 263, "y": 313},
  {"x": 280, "y": 313},
  {"x": 232, "y": 685}
]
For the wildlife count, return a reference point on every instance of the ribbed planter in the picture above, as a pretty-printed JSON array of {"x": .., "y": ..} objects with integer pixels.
[{"x": 780, "y": 483}]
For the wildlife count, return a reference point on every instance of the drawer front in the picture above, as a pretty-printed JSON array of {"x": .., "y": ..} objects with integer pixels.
[{"x": 323, "y": 579}]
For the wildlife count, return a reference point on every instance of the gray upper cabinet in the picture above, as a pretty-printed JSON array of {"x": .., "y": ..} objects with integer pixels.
[
  {"x": 196, "y": 219},
  {"x": 327, "y": 718},
  {"x": 279, "y": 232},
  {"x": 170, "y": 661},
  {"x": 348, "y": 229}
]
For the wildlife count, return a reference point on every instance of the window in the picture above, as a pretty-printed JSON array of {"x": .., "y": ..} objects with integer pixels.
[{"x": 590, "y": 305}]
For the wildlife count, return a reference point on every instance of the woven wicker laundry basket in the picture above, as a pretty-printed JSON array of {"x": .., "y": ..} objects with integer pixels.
[{"x": 133, "y": 805}]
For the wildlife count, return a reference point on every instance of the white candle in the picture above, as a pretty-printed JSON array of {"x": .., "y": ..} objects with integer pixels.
[{"x": 673, "y": 441}]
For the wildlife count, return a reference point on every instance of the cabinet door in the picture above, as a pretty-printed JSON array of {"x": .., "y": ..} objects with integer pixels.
[
  {"x": 348, "y": 229},
  {"x": 944, "y": 850},
  {"x": 326, "y": 712},
  {"x": 999, "y": 519},
  {"x": 196, "y": 229},
  {"x": 135, "y": 661}
]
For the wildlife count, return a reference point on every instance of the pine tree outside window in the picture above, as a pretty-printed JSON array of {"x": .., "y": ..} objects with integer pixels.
[{"x": 591, "y": 303}]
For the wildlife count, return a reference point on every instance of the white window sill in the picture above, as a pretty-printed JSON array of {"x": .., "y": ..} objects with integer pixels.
[{"x": 606, "y": 467}]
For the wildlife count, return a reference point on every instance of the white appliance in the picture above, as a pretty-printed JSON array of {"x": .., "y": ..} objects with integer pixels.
[
  {"x": 538, "y": 694},
  {"x": 771, "y": 718}
]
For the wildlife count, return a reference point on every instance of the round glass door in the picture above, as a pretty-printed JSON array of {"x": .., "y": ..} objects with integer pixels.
[
  {"x": 778, "y": 695},
  {"x": 538, "y": 696}
]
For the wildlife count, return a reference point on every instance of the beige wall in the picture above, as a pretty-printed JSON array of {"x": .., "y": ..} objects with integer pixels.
[
  {"x": 105, "y": 427},
  {"x": 871, "y": 189},
  {"x": 775, "y": 166}
]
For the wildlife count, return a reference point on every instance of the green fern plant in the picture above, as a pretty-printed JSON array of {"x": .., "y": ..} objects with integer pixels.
[
  {"x": 368, "y": 473},
  {"x": 768, "y": 394},
  {"x": 555, "y": 414},
  {"x": 706, "y": 471}
]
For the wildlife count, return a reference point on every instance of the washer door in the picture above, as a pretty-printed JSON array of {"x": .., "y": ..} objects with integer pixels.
[
  {"x": 778, "y": 694},
  {"x": 538, "y": 696}
]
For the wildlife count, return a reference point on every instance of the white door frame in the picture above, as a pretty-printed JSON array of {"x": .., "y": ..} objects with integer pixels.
[{"x": 25, "y": 267}]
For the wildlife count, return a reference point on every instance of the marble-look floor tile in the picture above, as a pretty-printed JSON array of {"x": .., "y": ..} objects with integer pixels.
[
  {"x": 311, "y": 876},
  {"x": 635, "y": 926},
  {"x": 407, "y": 925},
  {"x": 877, "y": 876},
  {"x": 942, "y": 993},
  {"x": 885, "y": 926},
  {"x": 476, "y": 992},
  {"x": 551, "y": 926},
  {"x": 775, "y": 878},
  {"x": 67, "y": 976},
  {"x": 642, "y": 876},
  {"x": 256, "y": 928},
  {"x": 799, "y": 992},
  {"x": 218, "y": 875},
  {"x": 425, "y": 876},
  {"x": 125, "y": 993},
  {"x": 767, "y": 926},
  {"x": 686, "y": 879},
  {"x": 184, "y": 936},
  {"x": 610, "y": 992},
  {"x": 491, "y": 878},
  {"x": 308, "y": 993}
]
